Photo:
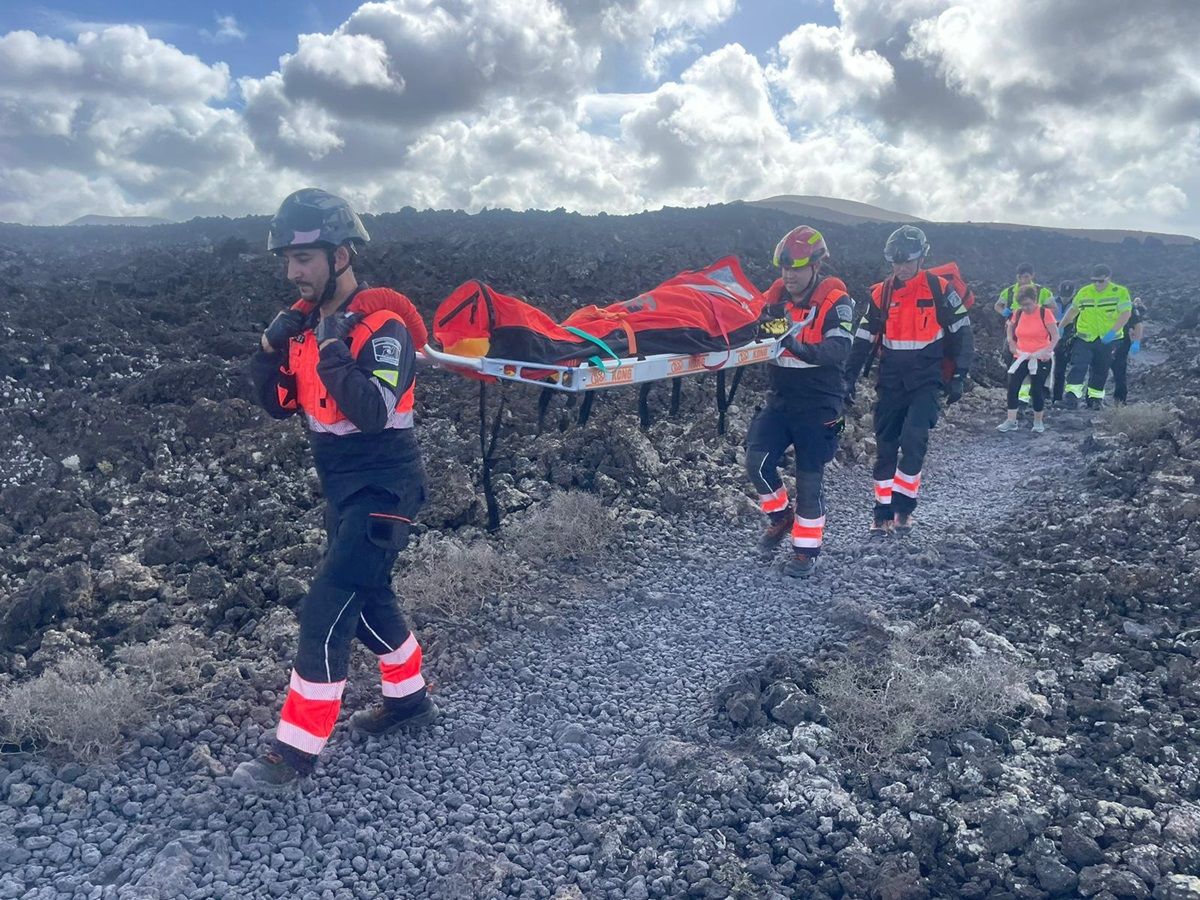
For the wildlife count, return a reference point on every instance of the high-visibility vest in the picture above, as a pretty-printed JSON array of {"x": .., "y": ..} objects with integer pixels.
[
  {"x": 1099, "y": 310},
  {"x": 826, "y": 295},
  {"x": 1008, "y": 296},
  {"x": 911, "y": 319},
  {"x": 379, "y": 305}
]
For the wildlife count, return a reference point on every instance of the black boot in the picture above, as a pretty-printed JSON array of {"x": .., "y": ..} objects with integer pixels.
[
  {"x": 777, "y": 529},
  {"x": 801, "y": 565},
  {"x": 273, "y": 771},
  {"x": 389, "y": 716}
]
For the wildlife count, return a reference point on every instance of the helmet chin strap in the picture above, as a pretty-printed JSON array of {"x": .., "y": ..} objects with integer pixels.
[
  {"x": 807, "y": 291},
  {"x": 334, "y": 275}
]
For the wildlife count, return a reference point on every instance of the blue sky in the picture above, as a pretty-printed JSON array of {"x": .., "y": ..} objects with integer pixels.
[
  {"x": 270, "y": 26},
  {"x": 181, "y": 109}
]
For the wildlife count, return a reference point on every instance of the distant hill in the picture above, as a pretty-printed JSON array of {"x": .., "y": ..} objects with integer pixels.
[
  {"x": 136, "y": 221},
  {"x": 1103, "y": 235},
  {"x": 832, "y": 209},
  {"x": 851, "y": 212}
]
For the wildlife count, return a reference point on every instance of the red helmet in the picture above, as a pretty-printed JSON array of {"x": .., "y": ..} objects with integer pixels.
[{"x": 800, "y": 247}]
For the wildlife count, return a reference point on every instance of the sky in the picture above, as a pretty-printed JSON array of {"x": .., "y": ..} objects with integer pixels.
[{"x": 1080, "y": 113}]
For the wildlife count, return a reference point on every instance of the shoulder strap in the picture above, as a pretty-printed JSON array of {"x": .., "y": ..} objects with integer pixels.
[{"x": 935, "y": 287}]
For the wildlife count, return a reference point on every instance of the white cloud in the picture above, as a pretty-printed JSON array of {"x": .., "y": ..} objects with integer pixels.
[
  {"x": 955, "y": 109},
  {"x": 821, "y": 71},
  {"x": 228, "y": 29}
]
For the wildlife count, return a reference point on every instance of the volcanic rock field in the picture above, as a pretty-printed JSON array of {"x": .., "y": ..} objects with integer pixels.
[{"x": 635, "y": 703}]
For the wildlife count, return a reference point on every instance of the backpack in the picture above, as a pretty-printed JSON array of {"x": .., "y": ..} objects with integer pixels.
[{"x": 950, "y": 272}]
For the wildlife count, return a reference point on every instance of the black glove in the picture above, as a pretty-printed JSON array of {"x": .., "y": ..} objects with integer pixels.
[
  {"x": 954, "y": 389},
  {"x": 336, "y": 327},
  {"x": 284, "y": 327},
  {"x": 800, "y": 350},
  {"x": 851, "y": 391}
]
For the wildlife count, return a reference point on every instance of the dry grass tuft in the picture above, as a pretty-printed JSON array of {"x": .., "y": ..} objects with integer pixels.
[
  {"x": 77, "y": 707},
  {"x": 1140, "y": 422},
  {"x": 883, "y": 705},
  {"x": 449, "y": 580},
  {"x": 80, "y": 708},
  {"x": 570, "y": 525}
]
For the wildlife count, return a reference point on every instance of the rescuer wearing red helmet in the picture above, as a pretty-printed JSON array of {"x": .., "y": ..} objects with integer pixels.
[
  {"x": 915, "y": 320},
  {"x": 804, "y": 406},
  {"x": 344, "y": 356}
]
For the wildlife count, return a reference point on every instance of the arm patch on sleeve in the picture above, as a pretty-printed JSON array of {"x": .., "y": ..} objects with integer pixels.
[{"x": 386, "y": 350}]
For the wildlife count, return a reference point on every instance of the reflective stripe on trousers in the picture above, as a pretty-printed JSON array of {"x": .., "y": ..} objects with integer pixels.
[
  {"x": 400, "y": 670},
  {"x": 908, "y": 485},
  {"x": 807, "y": 533},
  {"x": 774, "y": 502},
  {"x": 309, "y": 713}
]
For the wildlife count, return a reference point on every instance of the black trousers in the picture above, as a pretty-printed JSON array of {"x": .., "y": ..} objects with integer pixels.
[
  {"x": 903, "y": 420},
  {"x": 1120, "y": 370},
  {"x": 1062, "y": 357},
  {"x": 1090, "y": 360},
  {"x": 814, "y": 436},
  {"x": 1037, "y": 384},
  {"x": 352, "y": 593}
]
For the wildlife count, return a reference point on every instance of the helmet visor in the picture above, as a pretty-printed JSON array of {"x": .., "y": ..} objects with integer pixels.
[{"x": 903, "y": 251}]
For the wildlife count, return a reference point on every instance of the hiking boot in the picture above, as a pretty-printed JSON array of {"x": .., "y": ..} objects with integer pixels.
[
  {"x": 384, "y": 718},
  {"x": 1008, "y": 425},
  {"x": 1070, "y": 401},
  {"x": 903, "y": 525},
  {"x": 881, "y": 529},
  {"x": 801, "y": 565},
  {"x": 1094, "y": 403},
  {"x": 776, "y": 531},
  {"x": 1038, "y": 427},
  {"x": 270, "y": 772}
]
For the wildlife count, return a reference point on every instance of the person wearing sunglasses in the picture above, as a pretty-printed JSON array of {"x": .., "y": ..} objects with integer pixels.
[
  {"x": 1099, "y": 311},
  {"x": 803, "y": 411}
]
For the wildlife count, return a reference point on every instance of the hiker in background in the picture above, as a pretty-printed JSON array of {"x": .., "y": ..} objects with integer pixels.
[
  {"x": 1008, "y": 302},
  {"x": 344, "y": 357},
  {"x": 1128, "y": 346},
  {"x": 1062, "y": 350},
  {"x": 1032, "y": 336},
  {"x": 1099, "y": 312},
  {"x": 804, "y": 407},
  {"x": 915, "y": 321}
]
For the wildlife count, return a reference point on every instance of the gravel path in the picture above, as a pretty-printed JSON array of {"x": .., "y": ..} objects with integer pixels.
[{"x": 554, "y": 769}]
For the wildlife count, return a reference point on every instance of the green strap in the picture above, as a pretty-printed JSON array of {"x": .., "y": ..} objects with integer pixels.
[{"x": 595, "y": 360}]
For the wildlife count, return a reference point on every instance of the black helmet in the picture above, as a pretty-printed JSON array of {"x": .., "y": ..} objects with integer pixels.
[
  {"x": 1066, "y": 289},
  {"x": 312, "y": 216},
  {"x": 905, "y": 244}
]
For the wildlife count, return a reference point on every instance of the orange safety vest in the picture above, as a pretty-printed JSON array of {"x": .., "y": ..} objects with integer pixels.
[
  {"x": 378, "y": 305},
  {"x": 828, "y": 292},
  {"x": 911, "y": 319}
]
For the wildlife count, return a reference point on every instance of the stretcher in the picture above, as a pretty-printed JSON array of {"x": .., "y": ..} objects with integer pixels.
[{"x": 597, "y": 374}]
